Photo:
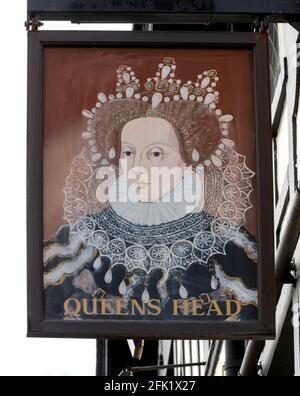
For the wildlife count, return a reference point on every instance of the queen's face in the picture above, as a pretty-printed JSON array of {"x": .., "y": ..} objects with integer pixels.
[{"x": 149, "y": 147}]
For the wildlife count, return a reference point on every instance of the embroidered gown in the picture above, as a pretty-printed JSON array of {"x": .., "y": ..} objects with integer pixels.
[{"x": 108, "y": 257}]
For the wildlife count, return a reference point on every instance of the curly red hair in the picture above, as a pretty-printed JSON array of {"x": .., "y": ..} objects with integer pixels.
[{"x": 195, "y": 125}]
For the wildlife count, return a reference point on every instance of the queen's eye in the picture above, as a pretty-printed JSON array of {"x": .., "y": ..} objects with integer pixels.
[
  {"x": 127, "y": 152},
  {"x": 155, "y": 153}
]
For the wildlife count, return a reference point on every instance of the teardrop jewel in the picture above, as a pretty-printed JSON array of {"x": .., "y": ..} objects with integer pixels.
[
  {"x": 145, "y": 296},
  {"x": 214, "y": 283},
  {"x": 165, "y": 72},
  {"x": 156, "y": 99},
  {"x": 205, "y": 82},
  {"x": 97, "y": 263},
  {"x": 108, "y": 276},
  {"x": 183, "y": 292},
  {"x": 129, "y": 92},
  {"x": 112, "y": 153},
  {"x": 209, "y": 98},
  {"x": 195, "y": 155},
  {"x": 102, "y": 97},
  {"x": 184, "y": 93},
  {"x": 122, "y": 287},
  {"x": 126, "y": 77}
]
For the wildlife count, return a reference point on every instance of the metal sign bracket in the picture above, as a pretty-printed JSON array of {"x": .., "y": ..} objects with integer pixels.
[{"x": 33, "y": 23}]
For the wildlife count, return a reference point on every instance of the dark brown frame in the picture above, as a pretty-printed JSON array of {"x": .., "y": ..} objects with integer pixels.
[{"x": 264, "y": 327}]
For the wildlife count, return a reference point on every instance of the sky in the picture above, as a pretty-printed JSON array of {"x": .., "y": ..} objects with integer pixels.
[{"x": 21, "y": 356}]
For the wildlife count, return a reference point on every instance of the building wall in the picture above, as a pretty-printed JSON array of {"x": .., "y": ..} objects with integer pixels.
[
  {"x": 287, "y": 140},
  {"x": 282, "y": 356}
]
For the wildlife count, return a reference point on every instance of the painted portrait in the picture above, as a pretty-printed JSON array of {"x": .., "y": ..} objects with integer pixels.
[{"x": 153, "y": 215}]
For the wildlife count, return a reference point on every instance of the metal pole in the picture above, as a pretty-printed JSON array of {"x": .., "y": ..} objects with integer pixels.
[
  {"x": 213, "y": 358},
  {"x": 250, "y": 361},
  {"x": 234, "y": 352},
  {"x": 130, "y": 370},
  {"x": 284, "y": 255},
  {"x": 289, "y": 239},
  {"x": 102, "y": 366}
]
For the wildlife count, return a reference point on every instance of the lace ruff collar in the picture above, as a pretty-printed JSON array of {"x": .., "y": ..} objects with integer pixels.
[{"x": 185, "y": 198}]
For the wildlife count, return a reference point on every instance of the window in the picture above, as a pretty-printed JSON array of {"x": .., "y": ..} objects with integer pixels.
[
  {"x": 282, "y": 149},
  {"x": 275, "y": 67},
  {"x": 296, "y": 134}
]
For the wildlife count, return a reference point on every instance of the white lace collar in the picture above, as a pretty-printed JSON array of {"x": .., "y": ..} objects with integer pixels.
[{"x": 186, "y": 197}]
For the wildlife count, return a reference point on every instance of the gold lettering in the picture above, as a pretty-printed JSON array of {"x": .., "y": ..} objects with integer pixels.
[
  {"x": 104, "y": 307},
  {"x": 197, "y": 305},
  {"x": 140, "y": 309},
  {"x": 154, "y": 305},
  {"x": 229, "y": 310},
  {"x": 177, "y": 306},
  {"x": 214, "y": 307},
  {"x": 85, "y": 303},
  {"x": 120, "y": 306},
  {"x": 69, "y": 310}
]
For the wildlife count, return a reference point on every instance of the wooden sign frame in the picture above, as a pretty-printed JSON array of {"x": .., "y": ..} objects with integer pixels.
[{"x": 263, "y": 328}]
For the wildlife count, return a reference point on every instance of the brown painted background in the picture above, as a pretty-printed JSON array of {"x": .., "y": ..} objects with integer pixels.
[{"x": 74, "y": 77}]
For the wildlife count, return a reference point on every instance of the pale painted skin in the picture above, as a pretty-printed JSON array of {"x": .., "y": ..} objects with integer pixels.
[{"x": 149, "y": 143}]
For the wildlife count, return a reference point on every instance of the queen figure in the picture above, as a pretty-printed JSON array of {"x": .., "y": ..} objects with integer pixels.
[{"x": 155, "y": 205}]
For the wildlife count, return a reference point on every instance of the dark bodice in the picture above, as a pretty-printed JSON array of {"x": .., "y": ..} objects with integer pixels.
[{"x": 191, "y": 271}]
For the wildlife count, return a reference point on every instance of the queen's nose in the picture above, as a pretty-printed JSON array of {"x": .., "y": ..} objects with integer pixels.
[
  {"x": 140, "y": 161},
  {"x": 139, "y": 173}
]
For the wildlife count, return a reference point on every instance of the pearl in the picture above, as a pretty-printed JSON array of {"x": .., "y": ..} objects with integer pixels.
[
  {"x": 226, "y": 118},
  {"x": 86, "y": 135},
  {"x": 96, "y": 157}
]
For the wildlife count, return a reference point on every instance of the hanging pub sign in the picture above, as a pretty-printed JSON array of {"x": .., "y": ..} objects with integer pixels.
[{"x": 149, "y": 185}]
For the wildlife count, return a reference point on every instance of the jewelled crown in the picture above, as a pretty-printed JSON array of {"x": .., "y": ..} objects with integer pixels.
[{"x": 164, "y": 87}]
